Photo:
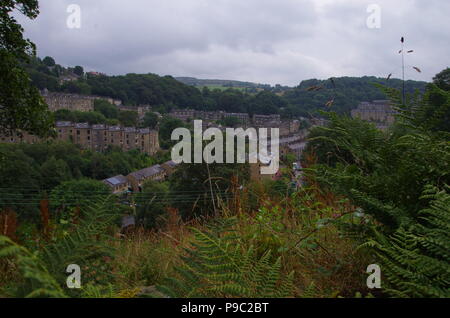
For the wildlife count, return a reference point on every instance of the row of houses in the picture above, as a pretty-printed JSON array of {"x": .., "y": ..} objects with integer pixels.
[
  {"x": 287, "y": 127},
  {"x": 135, "y": 180},
  {"x": 97, "y": 137},
  {"x": 245, "y": 119},
  {"x": 84, "y": 103}
]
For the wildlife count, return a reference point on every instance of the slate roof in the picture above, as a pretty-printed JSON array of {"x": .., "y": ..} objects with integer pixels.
[
  {"x": 114, "y": 181},
  {"x": 147, "y": 172},
  {"x": 64, "y": 124},
  {"x": 171, "y": 164}
]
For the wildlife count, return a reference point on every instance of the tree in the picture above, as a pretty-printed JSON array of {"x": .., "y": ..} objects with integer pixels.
[
  {"x": 53, "y": 172},
  {"x": 78, "y": 70},
  {"x": 150, "y": 120},
  {"x": 79, "y": 194},
  {"x": 442, "y": 80},
  {"x": 168, "y": 124},
  {"x": 128, "y": 118},
  {"x": 21, "y": 106},
  {"x": 108, "y": 110},
  {"x": 152, "y": 203},
  {"x": 193, "y": 183},
  {"x": 49, "y": 61},
  {"x": 20, "y": 181}
]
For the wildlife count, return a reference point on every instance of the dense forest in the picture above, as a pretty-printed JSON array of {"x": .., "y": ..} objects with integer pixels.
[
  {"x": 27, "y": 170},
  {"x": 167, "y": 93}
]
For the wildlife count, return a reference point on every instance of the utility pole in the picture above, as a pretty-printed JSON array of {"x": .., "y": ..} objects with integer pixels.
[{"x": 403, "y": 71}]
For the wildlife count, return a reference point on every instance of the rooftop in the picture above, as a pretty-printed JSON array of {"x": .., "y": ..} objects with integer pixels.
[
  {"x": 117, "y": 180},
  {"x": 147, "y": 172}
]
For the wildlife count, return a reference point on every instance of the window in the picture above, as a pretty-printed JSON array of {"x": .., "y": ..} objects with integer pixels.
[{"x": 78, "y": 132}]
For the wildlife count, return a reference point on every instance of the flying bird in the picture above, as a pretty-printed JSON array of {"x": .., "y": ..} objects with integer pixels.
[
  {"x": 389, "y": 77},
  {"x": 410, "y": 51},
  {"x": 402, "y": 39},
  {"x": 417, "y": 69}
]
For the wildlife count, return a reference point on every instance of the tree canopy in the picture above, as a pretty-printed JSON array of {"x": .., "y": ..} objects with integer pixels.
[{"x": 21, "y": 106}]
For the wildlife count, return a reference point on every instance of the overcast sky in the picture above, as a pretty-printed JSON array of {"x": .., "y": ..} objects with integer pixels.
[{"x": 265, "y": 41}]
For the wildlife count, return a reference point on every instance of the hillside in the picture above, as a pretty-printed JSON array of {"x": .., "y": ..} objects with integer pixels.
[
  {"x": 221, "y": 84},
  {"x": 166, "y": 93},
  {"x": 346, "y": 92}
]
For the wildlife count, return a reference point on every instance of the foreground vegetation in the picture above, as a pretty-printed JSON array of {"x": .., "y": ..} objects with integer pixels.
[{"x": 369, "y": 197}]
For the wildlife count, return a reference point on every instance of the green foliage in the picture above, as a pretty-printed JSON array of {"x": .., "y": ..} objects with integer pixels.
[
  {"x": 22, "y": 106},
  {"x": 150, "y": 120},
  {"x": 151, "y": 203},
  {"x": 168, "y": 124},
  {"x": 199, "y": 201},
  {"x": 430, "y": 112},
  {"x": 385, "y": 175},
  {"x": 78, "y": 70},
  {"x": 53, "y": 172},
  {"x": 49, "y": 61},
  {"x": 128, "y": 118},
  {"x": 347, "y": 93},
  {"x": 40, "y": 282},
  {"x": 415, "y": 259},
  {"x": 78, "y": 193},
  {"x": 442, "y": 80},
  {"x": 167, "y": 93},
  {"x": 27, "y": 169},
  {"x": 86, "y": 243},
  {"x": 218, "y": 265},
  {"x": 106, "y": 109},
  {"x": 344, "y": 140}
]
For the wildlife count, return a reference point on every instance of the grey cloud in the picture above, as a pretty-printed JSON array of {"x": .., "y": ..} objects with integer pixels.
[{"x": 269, "y": 41}]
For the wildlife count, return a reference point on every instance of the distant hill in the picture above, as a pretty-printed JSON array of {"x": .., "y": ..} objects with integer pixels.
[
  {"x": 346, "y": 92},
  {"x": 165, "y": 93},
  {"x": 217, "y": 82}
]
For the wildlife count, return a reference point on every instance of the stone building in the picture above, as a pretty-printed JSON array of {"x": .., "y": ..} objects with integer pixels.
[
  {"x": 242, "y": 117},
  {"x": 379, "y": 112},
  {"x": 98, "y": 137},
  {"x": 84, "y": 103},
  {"x": 289, "y": 127},
  {"x": 57, "y": 101},
  {"x": 184, "y": 114},
  {"x": 266, "y": 121},
  {"x": 118, "y": 184},
  {"x": 169, "y": 167},
  {"x": 138, "y": 178},
  {"x": 209, "y": 116}
]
